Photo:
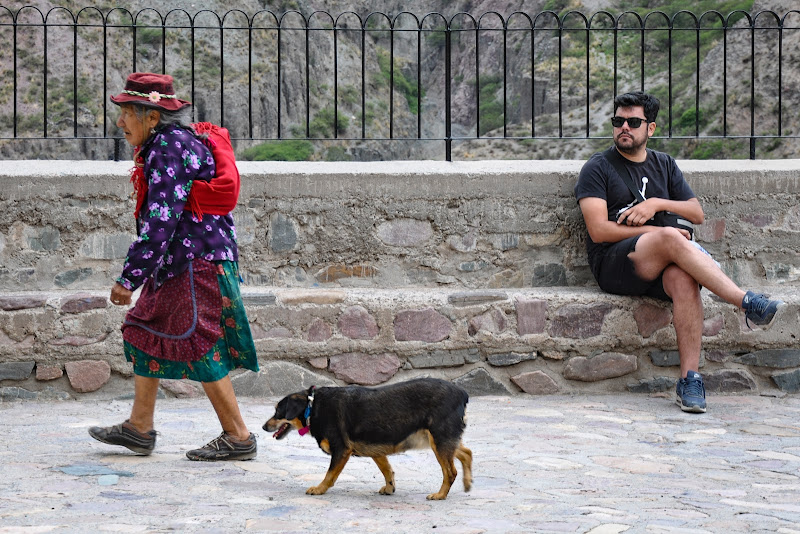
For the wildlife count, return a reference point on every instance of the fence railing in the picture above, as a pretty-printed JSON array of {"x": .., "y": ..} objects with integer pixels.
[{"x": 350, "y": 79}]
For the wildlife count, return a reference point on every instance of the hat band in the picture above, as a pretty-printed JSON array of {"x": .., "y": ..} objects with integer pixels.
[{"x": 152, "y": 96}]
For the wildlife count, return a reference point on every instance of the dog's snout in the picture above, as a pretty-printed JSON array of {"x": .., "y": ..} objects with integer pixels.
[{"x": 270, "y": 425}]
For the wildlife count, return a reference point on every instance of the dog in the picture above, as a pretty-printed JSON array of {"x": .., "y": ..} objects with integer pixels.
[{"x": 376, "y": 422}]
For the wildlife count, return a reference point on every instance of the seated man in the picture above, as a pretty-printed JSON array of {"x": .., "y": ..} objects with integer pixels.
[{"x": 628, "y": 256}]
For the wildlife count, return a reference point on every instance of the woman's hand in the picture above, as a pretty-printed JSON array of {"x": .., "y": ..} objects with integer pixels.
[{"x": 120, "y": 295}]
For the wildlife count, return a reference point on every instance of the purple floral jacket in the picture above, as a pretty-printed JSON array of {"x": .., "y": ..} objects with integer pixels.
[{"x": 170, "y": 238}]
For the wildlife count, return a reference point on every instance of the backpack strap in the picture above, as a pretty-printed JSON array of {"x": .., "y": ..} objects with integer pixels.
[{"x": 613, "y": 157}]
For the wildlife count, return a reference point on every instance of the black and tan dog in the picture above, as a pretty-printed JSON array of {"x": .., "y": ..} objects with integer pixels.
[{"x": 376, "y": 422}]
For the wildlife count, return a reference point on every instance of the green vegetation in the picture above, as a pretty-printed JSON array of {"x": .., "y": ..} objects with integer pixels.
[
  {"x": 288, "y": 150},
  {"x": 437, "y": 37},
  {"x": 148, "y": 36},
  {"x": 491, "y": 107},
  {"x": 401, "y": 83},
  {"x": 337, "y": 153},
  {"x": 322, "y": 124}
]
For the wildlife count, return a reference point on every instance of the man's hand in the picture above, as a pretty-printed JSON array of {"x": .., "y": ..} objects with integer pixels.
[
  {"x": 638, "y": 214},
  {"x": 120, "y": 295}
]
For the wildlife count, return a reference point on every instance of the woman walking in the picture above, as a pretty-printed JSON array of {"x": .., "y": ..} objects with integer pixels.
[{"x": 189, "y": 321}]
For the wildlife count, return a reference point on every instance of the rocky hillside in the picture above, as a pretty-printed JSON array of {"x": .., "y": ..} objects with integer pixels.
[{"x": 222, "y": 94}]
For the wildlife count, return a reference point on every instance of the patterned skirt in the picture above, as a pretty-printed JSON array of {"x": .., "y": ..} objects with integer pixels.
[{"x": 233, "y": 349}]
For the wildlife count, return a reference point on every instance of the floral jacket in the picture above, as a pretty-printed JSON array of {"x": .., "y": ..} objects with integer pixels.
[{"x": 169, "y": 238}]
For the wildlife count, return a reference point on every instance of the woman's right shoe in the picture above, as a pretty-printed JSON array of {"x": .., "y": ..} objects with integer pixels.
[
  {"x": 225, "y": 447},
  {"x": 126, "y": 435}
]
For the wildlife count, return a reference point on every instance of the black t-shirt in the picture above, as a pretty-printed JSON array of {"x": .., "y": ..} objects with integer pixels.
[{"x": 599, "y": 179}]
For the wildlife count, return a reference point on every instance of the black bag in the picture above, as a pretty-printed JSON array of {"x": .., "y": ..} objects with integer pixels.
[{"x": 661, "y": 218}]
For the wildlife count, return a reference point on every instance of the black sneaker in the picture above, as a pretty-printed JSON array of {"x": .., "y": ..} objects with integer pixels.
[
  {"x": 759, "y": 310},
  {"x": 691, "y": 393},
  {"x": 126, "y": 435},
  {"x": 225, "y": 447}
]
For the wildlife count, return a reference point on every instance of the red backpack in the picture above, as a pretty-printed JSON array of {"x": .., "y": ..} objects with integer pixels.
[{"x": 219, "y": 196}]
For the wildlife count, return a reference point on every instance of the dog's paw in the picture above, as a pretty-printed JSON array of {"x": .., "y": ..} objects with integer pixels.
[
  {"x": 388, "y": 489},
  {"x": 316, "y": 490},
  {"x": 437, "y": 496}
]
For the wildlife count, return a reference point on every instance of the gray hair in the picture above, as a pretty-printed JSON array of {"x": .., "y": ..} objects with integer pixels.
[{"x": 181, "y": 117}]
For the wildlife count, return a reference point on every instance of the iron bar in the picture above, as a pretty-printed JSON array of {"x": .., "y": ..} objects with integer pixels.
[{"x": 563, "y": 69}]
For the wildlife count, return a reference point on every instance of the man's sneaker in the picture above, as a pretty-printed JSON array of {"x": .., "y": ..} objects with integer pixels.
[
  {"x": 225, "y": 447},
  {"x": 759, "y": 310},
  {"x": 691, "y": 393},
  {"x": 126, "y": 435}
]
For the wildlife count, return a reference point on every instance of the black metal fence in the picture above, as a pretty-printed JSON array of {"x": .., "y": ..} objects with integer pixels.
[{"x": 351, "y": 78}]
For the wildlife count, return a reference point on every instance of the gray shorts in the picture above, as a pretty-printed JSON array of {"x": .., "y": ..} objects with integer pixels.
[{"x": 618, "y": 275}]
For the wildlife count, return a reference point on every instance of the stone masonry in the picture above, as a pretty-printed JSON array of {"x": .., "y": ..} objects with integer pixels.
[{"x": 368, "y": 273}]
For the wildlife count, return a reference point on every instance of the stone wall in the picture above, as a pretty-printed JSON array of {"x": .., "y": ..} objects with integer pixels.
[{"x": 365, "y": 273}]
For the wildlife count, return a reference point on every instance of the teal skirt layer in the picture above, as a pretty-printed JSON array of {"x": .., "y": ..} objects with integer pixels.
[{"x": 234, "y": 349}]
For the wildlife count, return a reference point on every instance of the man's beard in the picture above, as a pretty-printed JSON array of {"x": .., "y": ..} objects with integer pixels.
[{"x": 633, "y": 148}]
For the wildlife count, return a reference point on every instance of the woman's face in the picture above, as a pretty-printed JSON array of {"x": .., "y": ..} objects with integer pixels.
[{"x": 136, "y": 130}]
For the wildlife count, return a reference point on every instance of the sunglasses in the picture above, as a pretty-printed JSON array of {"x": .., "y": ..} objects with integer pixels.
[{"x": 633, "y": 122}]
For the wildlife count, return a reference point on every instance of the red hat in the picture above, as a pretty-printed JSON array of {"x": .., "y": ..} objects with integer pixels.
[{"x": 151, "y": 90}]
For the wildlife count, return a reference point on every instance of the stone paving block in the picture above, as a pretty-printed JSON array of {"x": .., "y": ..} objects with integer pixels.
[
  {"x": 12, "y": 393},
  {"x": 531, "y": 316},
  {"x": 12, "y": 302},
  {"x": 422, "y": 325},
  {"x": 316, "y": 296},
  {"x": 788, "y": 382},
  {"x": 82, "y": 302},
  {"x": 470, "y": 298},
  {"x": 579, "y": 321},
  {"x": 319, "y": 331},
  {"x": 653, "y": 385},
  {"x": 87, "y": 375},
  {"x": 443, "y": 358},
  {"x": 478, "y": 382},
  {"x": 713, "y": 326},
  {"x": 182, "y": 389},
  {"x": 48, "y": 372},
  {"x": 507, "y": 359},
  {"x": 16, "y": 370},
  {"x": 492, "y": 322},
  {"x": 774, "y": 358},
  {"x": 405, "y": 232},
  {"x": 651, "y": 318},
  {"x": 277, "y": 379},
  {"x": 536, "y": 383},
  {"x": 357, "y": 323},
  {"x": 729, "y": 381},
  {"x": 258, "y": 299},
  {"x": 364, "y": 369},
  {"x": 600, "y": 366}
]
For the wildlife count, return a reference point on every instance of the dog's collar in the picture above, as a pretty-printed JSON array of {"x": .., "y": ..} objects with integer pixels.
[{"x": 307, "y": 415}]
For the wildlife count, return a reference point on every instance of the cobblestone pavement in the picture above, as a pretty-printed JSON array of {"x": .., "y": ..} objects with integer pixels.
[{"x": 587, "y": 463}]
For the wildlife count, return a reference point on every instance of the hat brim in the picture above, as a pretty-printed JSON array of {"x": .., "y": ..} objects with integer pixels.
[{"x": 168, "y": 104}]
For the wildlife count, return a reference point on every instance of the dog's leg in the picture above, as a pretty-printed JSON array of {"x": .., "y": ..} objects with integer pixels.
[
  {"x": 445, "y": 457},
  {"x": 338, "y": 462},
  {"x": 464, "y": 455},
  {"x": 388, "y": 474}
]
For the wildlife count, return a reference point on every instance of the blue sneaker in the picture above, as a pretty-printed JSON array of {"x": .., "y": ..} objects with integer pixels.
[
  {"x": 759, "y": 310},
  {"x": 691, "y": 393}
]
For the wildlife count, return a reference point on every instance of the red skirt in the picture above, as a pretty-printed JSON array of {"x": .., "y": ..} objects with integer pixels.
[{"x": 180, "y": 320}]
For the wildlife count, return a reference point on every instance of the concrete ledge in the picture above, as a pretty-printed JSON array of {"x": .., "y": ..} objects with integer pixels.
[
  {"x": 537, "y": 340},
  {"x": 375, "y": 272}
]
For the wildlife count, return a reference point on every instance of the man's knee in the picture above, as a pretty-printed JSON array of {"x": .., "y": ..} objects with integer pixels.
[
  {"x": 665, "y": 238},
  {"x": 679, "y": 284}
]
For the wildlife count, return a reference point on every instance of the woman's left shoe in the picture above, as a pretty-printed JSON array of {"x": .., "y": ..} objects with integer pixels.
[
  {"x": 225, "y": 447},
  {"x": 126, "y": 435}
]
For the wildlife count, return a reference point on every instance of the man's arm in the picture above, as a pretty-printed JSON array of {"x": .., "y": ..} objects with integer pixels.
[
  {"x": 601, "y": 230},
  {"x": 644, "y": 211}
]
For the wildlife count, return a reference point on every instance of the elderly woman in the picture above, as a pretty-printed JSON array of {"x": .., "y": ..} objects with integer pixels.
[{"x": 189, "y": 321}]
